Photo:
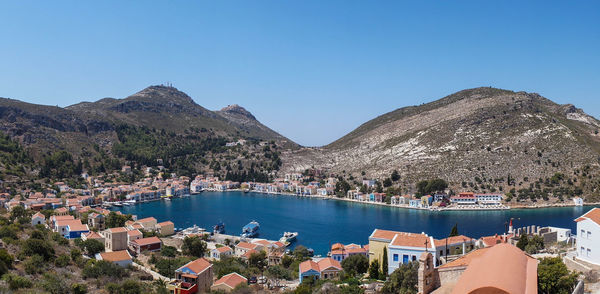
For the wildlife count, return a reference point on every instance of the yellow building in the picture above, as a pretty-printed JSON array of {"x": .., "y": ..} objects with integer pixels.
[{"x": 379, "y": 240}]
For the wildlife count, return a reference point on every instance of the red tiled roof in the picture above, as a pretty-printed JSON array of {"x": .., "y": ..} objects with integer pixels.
[
  {"x": 452, "y": 240},
  {"x": 197, "y": 266},
  {"x": 246, "y": 245},
  {"x": 231, "y": 280},
  {"x": 412, "y": 240},
  {"x": 383, "y": 234},
  {"x": 224, "y": 249},
  {"x": 134, "y": 233},
  {"x": 117, "y": 230},
  {"x": 501, "y": 269},
  {"x": 167, "y": 223},
  {"x": 147, "y": 241},
  {"x": 593, "y": 215}
]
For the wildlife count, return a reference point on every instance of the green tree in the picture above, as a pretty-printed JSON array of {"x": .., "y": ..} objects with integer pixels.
[
  {"x": 374, "y": 271},
  {"x": 114, "y": 220},
  {"x": 454, "y": 231},
  {"x": 356, "y": 264},
  {"x": 555, "y": 277},
  {"x": 384, "y": 264},
  {"x": 92, "y": 246},
  {"x": 194, "y": 246},
  {"x": 523, "y": 241},
  {"x": 403, "y": 280},
  {"x": 395, "y": 176},
  {"x": 258, "y": 260}
]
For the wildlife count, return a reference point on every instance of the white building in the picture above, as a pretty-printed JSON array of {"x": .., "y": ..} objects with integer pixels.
[
  {"x": 38, "y": 219},
  {"x": 588, "y": 236},
  {"x": 407, "y": 247}
]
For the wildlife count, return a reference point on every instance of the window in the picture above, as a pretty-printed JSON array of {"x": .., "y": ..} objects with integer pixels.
[
  {"x": 589, "y": 252},
  {"x": 582, "y": 233},
  {"x": 395, "y": 257},
  {"x": 582, "y": 251},
  {"x": 414, "y": 257},
  {"x": 589, "y": 235}
]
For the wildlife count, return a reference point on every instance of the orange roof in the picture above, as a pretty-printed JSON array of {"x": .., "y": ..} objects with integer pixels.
[
  {"x": 78, "y": 227},
  {"x": 61, "y": 217},
  {"x": 321, "y": 265},
  {"x": 383, "y": 234},
  {"x": 466, "y": 259},
  {"x": 93, "y": 235},
  {"x": 197, "y": 266},
  {"x": 452, "y": 240},
  {"x": 117, "y": 230},
  {"x": 337, "y": 246},
  {"x": 412, "y": 240},
  {"x": 593, "y": 215},
  {"x": 39, "y": 214},
  {"x": 308, "y": 265},
  {"x": 246, "y": 245},
  {"x": 167, "y": 223},
  {"x": 248, "y": 253},
  {"x": 61, "y": 209},
  {"x": 68, "y": 222},
  {"x": 493, "y": 240},
  {"x": 224, "y": 249},
  {"x": 147, "y": 241},
  {"x": 115, "y": 256},
  {"x": 264, "y": 243},
  {"x": 501, "y": 269},
  {"x": 147, "y": 219},
  {"x": 134, "y": 233},
  {"x": 231, "y": 280},
  {"x": 329, "y": 262}
]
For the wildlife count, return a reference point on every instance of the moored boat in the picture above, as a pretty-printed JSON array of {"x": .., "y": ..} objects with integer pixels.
[
  {"x": 250, "y": 230},
  {"x": 219, "y": 228},
  {"x": 288, "y": 238}
]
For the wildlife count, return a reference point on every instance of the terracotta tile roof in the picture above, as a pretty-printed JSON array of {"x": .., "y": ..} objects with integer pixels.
[
  {"x": 224, "y": 249},
  {"x": 329, "y": 262},
  {"x": 383, "y": 234},
  {"x": 115, "y": 256},
  {"x": 61, "y": 217},
  {"x": 78, "y": 227},
  {"x": 117, "y": 230},
  {"x": 39, "y": 214},
  {"x": 231, "y": 280},
  {"x": 264, "y": 243},
  {"x": 197, "y": 266},
  {"x": 93, "y": 235},
  {"x": 68, "y": 222},
  {"x": 167, "y": 223},
  {"x": 279, "y": 244},
  {"x": 493, "y": 240},
  {"x": 412, "y": 240},
  {"x": 321, "y": 265},
  {"x": 147, "y": 241},
  {"x": 309, "y": 265},
  {"x": 593, "y": 215},
  {"x": 133, "y": 233},
  {"x": 466, "y": 259},
  {"x": 337, "y": 246},
  {"x": 61, "y": 209},
  {"x": 501, "y": 269},
  {"x": 246, "y": 245},
  {"x": 147, "y": 219},
  {"x": 452, "y": 240},
  {"x": 249, "y": 253}
]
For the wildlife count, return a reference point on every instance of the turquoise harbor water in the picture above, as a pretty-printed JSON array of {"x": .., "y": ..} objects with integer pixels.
[{"x": 322, "y": 222}]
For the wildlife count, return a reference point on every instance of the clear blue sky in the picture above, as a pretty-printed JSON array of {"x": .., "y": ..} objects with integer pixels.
[{"x": 311, "y": 70}]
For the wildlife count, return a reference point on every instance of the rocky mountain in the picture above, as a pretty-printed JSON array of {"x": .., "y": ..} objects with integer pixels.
[
  {"x": 481, "y": 136},
  {"x": 80, "y": 127}
]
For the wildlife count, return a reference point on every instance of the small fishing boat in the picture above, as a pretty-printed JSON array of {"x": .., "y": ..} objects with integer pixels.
[{"x": 219, "y": 228}]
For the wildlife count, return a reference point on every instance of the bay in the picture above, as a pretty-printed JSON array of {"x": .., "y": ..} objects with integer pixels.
[{"x": 321, "y": 223}]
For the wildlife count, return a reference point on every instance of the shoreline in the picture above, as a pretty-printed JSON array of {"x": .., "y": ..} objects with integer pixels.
[{"x": 404, "y": 206}]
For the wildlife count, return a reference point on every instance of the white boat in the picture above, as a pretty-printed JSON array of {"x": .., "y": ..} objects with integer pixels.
[{"x": 288, "y": 237}]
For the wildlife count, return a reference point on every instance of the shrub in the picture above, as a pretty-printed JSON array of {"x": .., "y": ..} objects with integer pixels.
[
  {"x": 54, "y": 284},
  {"x": 6, "y": 258},
  {"x": 194, "y": 246},
  {"x": 62, "y": 261},
  {"x": 34, "y": 264},
  {"x": 40, "y": 247},
  {"x": 16, "y": 282},
  {"x": 103, "y": 268},
  {"x": 168, "y": 251},
  {"x": 78, "y": 288}
]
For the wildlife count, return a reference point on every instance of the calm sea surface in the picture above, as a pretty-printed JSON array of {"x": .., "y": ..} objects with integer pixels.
[{"x": 323, "y": 222}]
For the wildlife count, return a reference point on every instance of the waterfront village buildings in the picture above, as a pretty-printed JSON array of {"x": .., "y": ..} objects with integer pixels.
[{"x": 588, "y": 237}]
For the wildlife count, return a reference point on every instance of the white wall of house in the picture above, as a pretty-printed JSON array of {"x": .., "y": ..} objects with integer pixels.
[
  {"x": 412, "y": 253},
  {"x": 588, "y": 241}
]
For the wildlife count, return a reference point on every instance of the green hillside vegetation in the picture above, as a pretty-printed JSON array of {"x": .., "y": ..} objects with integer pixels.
[{"x": 14, "y": 159}]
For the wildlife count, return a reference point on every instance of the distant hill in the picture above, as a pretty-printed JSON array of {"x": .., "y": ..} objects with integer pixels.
[
  {"x": 162, "y": 118},
  {"x": 480, "y": 137}
]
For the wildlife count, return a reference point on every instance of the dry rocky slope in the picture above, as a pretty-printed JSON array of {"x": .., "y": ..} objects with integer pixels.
[
  {"x": 77, "y": 128},
  {"x": 476, "y": 133}
]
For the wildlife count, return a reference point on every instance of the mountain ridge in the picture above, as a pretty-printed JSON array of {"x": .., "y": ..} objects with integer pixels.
[{"x": 495, "y": 132}]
